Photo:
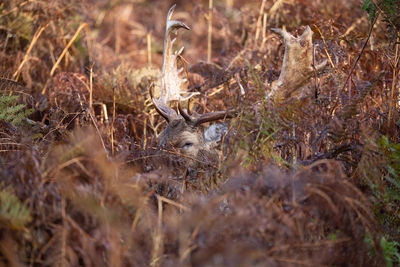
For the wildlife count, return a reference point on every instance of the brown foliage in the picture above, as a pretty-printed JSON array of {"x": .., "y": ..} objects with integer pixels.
[{"x": 293, "y": 183}]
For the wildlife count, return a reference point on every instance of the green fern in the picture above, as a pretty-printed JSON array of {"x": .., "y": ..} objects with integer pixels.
[
  {"x": 390, "y": 9},
  {"x": 12, "y": 112},
  {"x": 369, "y": 7},
  {"x": 380, "y": 171},
  {"x": 13, "y": 212},
  {"x": 392, "y": 177},
  {"x": 391, "y": 252}
]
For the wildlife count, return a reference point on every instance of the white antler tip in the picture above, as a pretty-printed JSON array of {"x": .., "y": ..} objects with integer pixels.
[
  {"x": 171, "y": 11},
  {"x": 283, "y": 33}
]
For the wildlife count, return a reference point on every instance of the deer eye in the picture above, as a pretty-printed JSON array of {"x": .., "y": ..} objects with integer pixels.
[{"x": 187, "y": 145}]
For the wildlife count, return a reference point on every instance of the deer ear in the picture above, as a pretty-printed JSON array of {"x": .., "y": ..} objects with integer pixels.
[{"x": 215, "y": 132}]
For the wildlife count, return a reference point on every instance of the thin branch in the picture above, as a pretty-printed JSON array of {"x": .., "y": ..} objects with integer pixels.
[{"x": 359, "y": 55}]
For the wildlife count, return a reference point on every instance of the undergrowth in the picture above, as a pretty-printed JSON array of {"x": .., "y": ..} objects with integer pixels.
[{"x": 312, "y": 180}]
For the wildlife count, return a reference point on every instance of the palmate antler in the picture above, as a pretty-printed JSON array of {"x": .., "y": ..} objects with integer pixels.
[
  {"x": 297, "y": 67},
  {"x": 171, "y": 82}
]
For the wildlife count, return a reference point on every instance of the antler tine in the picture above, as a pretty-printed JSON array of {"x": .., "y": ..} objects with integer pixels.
[
  {"x": 166, "y": 112},
  {"x": 283, "y": 33},
  {"x": 173, "y": 24},
  {"x": 183, "y": 112},
  {"x": 170, "y": 26},
  {"x": 213, "y": 116}
]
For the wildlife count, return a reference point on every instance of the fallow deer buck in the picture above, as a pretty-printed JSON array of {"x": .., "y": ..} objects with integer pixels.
[{"x": 184, "y": 131}]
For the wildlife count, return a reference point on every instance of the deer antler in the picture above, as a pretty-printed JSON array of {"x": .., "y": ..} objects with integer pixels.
[
  {"x": 170, "y": 80},
  {"x": 197, "y": 119},
  {"x": 164, "y": 110},
  {"x": 171, "y": 83},
  {"x": 297, "y": 64}
]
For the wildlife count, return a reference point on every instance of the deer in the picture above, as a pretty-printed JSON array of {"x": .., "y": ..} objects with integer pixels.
[
  {"x": 297, "y": 67},
  {"x": 184, "y": 130}
]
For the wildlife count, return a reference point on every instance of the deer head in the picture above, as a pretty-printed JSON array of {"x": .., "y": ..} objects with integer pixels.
[
  {"x": 184, "y": 130},
  {"x": 297, "y": 67}
]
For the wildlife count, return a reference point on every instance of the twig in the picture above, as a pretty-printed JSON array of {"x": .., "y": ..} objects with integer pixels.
[
  {"x": 112, "y": 124},
  {"x": 64, "y": 234},
  {"x": 97, "y": 130},
  {"x": 149, "y": 48},
  {"x": 139, "y": 211},
  {"x": 264, "y": 31},
  {"x": 83, "y": 25},
  {"x": 173, "y": 203},
  {"x": 315, "y": 74},
  {"x": 326, "y": 50},
  {"x": 16, "y": 8},
  {"x": 393, "y": 91},
  {"x": 359, "y": 56},
  {"x": 145, "y": 133},
  {"x": 260, "y": 16},
  {"x": 91, "y": 89},
  {"x": 274, "y": 8},
  {"x": 53, "y": 69},
  {"x": 158, "y": 237},
  {"x": 26, "y": 57}
]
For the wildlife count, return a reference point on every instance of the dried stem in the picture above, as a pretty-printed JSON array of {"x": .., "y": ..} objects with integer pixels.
[
  {"x": 64, "y": 234},
  {"x": 53, "y": 69},
  {"x": 259, "y": 21},
  {"x": 393, "y": 102},
  {"x": 112, "y": 124},
  {"x": 158, "y": 238},
  {"x": 26, "y": 57},
  {"x": 325, "y": 49},
  {"x": 359, "y": 56},
  {"x": 149, "y": 48},
  {"x": 91, "y": 89},
  {"x": 210, "y": 18}
]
